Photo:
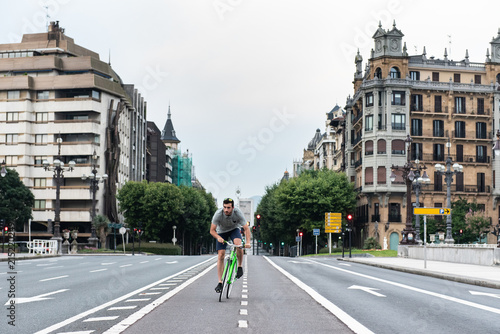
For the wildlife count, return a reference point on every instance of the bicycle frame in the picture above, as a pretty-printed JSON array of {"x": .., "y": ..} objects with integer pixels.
[{"x": 229, "y": 273}]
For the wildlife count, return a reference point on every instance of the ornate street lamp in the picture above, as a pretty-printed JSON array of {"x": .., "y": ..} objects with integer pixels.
[
  {"x": 4, "y": 170},
  {"x": 58, "y": 168},
  {"x": 448, "y": 178},
  {"x": 408, "y": 175},
  {"x": 94, "y": 180},
  {"x": 417, "y": 184}
]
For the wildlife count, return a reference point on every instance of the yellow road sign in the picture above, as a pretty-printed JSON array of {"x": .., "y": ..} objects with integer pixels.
[
  {"x": 332, "y": 225},
  {"x": 431, "y": 211},
  {"x": 333, "y": 214},
  {"x": 333, "y": 220},
  {"x": 333, "y": 231}
]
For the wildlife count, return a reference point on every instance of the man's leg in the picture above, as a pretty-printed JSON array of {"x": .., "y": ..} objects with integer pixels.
[
  {"x": 220, "y": 263},
  {"x": 239, "y": 255}
]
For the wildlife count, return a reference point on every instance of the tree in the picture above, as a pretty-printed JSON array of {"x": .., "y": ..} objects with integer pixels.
[
  {"x": 16, "y": 200},
  {"x": 100, "y": 224},
  {"x": 477, "y": 223}
]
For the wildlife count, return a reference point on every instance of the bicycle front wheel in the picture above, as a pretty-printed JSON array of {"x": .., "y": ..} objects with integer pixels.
[
  {"x": 225, "y": 275},
  {"x": 230, "y": 280}
]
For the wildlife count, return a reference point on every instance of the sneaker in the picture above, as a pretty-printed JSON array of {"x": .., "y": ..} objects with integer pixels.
[
  {"x": 240, "y": 272},
  {"x": 218, "y": 288}
]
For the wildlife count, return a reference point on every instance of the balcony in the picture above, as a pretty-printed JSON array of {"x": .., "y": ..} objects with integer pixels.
[
  {"x": 394, "y": 218},
  {"x": 460, "y": 188},
  {"x": 375, "y": 218}
]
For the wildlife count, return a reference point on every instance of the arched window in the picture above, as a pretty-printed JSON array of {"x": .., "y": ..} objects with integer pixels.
[
  {"x": 498, "y": 78},
  {"x": 378, "y": 73},
  {"x": 395, "y": 74}
]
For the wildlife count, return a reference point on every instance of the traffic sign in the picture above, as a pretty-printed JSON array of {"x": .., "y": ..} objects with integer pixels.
[
  {"x": 431, "y": 211},
  {"x": 333, "y": 214},
  {"x": 316, "y": 231}
]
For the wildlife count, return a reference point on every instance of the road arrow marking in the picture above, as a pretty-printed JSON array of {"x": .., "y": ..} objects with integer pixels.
[
  {"x": 34, "y": 299},
  {"x": 477, "y": 293},
  {"x": 366, "y": 289}
]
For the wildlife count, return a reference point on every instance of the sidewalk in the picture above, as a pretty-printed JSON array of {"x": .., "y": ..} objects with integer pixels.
[
  {"x": 487, "y": 276},
  {"x": 24, "y": 256}
]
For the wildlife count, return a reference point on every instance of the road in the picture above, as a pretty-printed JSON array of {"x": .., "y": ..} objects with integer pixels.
[{"x": 145, "y": 294}]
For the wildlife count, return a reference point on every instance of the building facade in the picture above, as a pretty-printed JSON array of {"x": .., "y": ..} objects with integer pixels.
[
  {"x": 448, "y": 108},
  {"x": 52, "y": 88}
]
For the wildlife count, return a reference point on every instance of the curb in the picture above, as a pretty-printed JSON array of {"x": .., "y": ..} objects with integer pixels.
[{"x": 450, "y": 277}]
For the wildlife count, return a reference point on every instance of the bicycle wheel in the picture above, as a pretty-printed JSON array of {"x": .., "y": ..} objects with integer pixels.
[
  {"x": 224, "y": 278},
  {"x": 230, "y": 280}
]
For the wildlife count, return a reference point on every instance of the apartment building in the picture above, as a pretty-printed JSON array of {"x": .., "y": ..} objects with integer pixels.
[
  {"x": 52, "y": 88},
  {"x": 448, "y": 107}
]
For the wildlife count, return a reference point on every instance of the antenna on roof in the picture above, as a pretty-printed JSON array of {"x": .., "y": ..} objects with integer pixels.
[
  {"x": 449, "y": 42},
  {"x": 47, "y": 17},
  {"x": 109, "y": 57}
]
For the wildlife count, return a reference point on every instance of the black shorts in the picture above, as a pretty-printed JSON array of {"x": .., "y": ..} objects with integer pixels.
[{"x": 234, "y": 234}]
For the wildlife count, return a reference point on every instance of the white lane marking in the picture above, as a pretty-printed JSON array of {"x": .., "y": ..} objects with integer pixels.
[
  {"x": 244, "y": 303},
  {"x": 149, "y": 293},
  {"x": 299, "y": 262},
  {"x": 172, "y": 262},
  {"x": 243, "y": 311},
  {"x": 125, "y": 265},
  {"x": 404, "y": 286},
  {"x": 344, "y": 264},
  {"x": 244, "y": 291},
  {"x": 244, "y": 296},
  {"x": 158, "y": 259},
  {"x": 137, "y": 300},
  {"x": 100, "y": 319},
  {"x": 334, "y": 309},
  {"x": 53, "y": 278},
  {"x": 166, "y": 284},
  {"x": 54, "y": 267},
  {"x": 124, "y": 324},
  {"x": 477, "y": 293},
  {"x": 95, "y": 271},
  {"x": 144, "y": 262},
  {"x": 366, "y": 289},
  {"x": 122, "y": 308},
  {"x": 35, "y": 298},
  {"x": 119, "y": 299},
  {"x": 242, "y": 324},
  {"x": 163, "y": 288},
  {"x": 44, "y": 264},
  {"x": 79, "y": 332},
  {"x": 107, "y": 263}
]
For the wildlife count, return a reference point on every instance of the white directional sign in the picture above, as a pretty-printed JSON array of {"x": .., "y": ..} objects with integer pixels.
[
  {"x": 367, "y": 289},
  {"x": 35, "y": 298}
]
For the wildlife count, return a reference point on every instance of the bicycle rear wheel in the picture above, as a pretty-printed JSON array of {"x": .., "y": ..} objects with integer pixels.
[
  {"x": 230, "y": 280},
  {"x": 224, "y": 278}
]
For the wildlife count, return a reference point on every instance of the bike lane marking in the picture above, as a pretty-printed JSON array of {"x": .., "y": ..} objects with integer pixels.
[
  {"x": 244, "y": 295},
  {"x": 408, "y": 287}
]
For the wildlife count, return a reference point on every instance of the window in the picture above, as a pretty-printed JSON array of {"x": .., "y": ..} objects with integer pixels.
[
  {"x": 369, "y": 175},
  {"x": 11, "y": 160},
  {"x": 398, "y": 121},
  {"x": 456, "y": 77},
  {"x": 398, "y": 98},
  {"x": 96, "y": 94},
  {"x": 42, "y": 95},
  {"x": 416, "y": 127},
  {"x": 381, "y": 175},
  {"x": 380, "y": 98},
  {"x": 481, "y": 186},
  {"x": 481, "y": 130},
  {"x": 414, "y": 75},
  {"x": 13, "y": 94},
  {"x": 438, "y": 182},
  {"x": 12, "y": 117},
  {"x": 437, "y": 104},
  {"x": 398, "y": 146},
  {"x": 11, "y": 138},
  {"x": 42, "y": 117},
  {"x": 395, "y": 74},
  {"x": 369, "y": 147},
  {"x": 435, "y": 76},
  {"x": 381, "y": 146},
  {"x": 39, "y": 204},
  {"x": 438, "y": 128},
  {"x": 416, "y": 102},
  {"x": 378, "y": 73},
  {"x": 394, "y": 212},
  {"x": 477, "y": 79},
  {"x": 41, "y": 139},
  {"x": 39, "y": 160},
  {"x": 381, "y": 124},
  {"x": 460, "y": 181},
  {"x": 438, "y": 152},
  {"x": 416, "y": 151},
  {"x": 460, "y": 153},
  {"x": 40, "y": 183},
  {"x": 459, "y": 129},
  {"x": 369, "y": 99},
  {"x": 369, "y": 123},
  {"x": 481, "y": 153},
  {"x": 460, "y": 105},
  {"x": 480, "y": 106}
]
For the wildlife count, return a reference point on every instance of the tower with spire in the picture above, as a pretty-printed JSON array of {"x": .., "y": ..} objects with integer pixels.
[{"x": 168, "y": 134}]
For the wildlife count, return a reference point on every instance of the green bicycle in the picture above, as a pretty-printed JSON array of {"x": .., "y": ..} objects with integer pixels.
[{"x": 230, "y": 266}]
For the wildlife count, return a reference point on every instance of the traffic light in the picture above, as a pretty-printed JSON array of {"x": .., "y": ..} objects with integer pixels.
[
  {"x": 301, "y": 234},
  {"x": 258, "y": 220},
  {"x": 254, "y": 228},
  {"x": 461, "y": 231},
  {"x": 6, "y": 228},
  {"x": 349, "y": 218}
]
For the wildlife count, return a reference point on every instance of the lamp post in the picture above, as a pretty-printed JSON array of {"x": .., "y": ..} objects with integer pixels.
[
  {"x": 94, "y": 180},
  {"x": 417, "y": 184},
  {"x": 448, "y": 178},
  {"x": 174, "y": 239},
  {"x": 58, "y": 168},
  {"x": 4, "y": 170},
  {"x": 408, "y": 176}
]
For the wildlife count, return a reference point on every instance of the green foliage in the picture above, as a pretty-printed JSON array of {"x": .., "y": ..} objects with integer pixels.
[
  {"x": 477, "y": 223},
  {"x": 325, "y": 250},
  {"x": 100, "y": 224},
  {"x": 154, "y": 248},
  {"x": 301, "y": 203},
  {"x": 371, "y": 243},
  {"x": 16, "y": 200}
]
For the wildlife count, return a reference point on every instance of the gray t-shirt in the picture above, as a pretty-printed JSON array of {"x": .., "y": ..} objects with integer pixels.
[{"x": 228, "y": 223}]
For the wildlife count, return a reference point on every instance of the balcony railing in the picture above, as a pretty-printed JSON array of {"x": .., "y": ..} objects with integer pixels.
[
  {"x": 467, "y": 188},
  {"x": 395, "y": 218},
  {"x": 375, "y": 218}
]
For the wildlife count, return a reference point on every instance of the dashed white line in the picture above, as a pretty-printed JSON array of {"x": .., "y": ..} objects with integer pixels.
[
  {"x": 79, "y": 332},
  {"x": 244, "y": 296},
  {"x": 164, "y": 288},
  {"x": 137, "y": 300},
  {"x": 165, "y": 284},
  {"x": 244, "y": 303},
  {"x": 149, "y": 293},
  {"x": 107, "y": 263},
  {"x": 122, "y": 308},
  {"x": 244, "y": 290},
  {"x": 243, "y": 311},
  {"x": 144, "y": 262},
  {"x": 100, "y": 319},
  {"x": 125, "y": 265},
  {"x": 97, "y": 270},
  {"x": 242, "y": 324},
  {"x": 53, "y": 278}
]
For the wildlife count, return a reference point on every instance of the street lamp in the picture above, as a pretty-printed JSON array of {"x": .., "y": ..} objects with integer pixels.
[
  {"x": 94, "y": 180},
  {"x": 448, "y": 178},
  {"x": 58, "y": 168},
  {"x": 4, "y": 170},
  {"x": 408, "y": 176},
  {"x": 417, "y": 184},
  {"x": 496, "y": 147},
  {"x": 174, "y": 239}
]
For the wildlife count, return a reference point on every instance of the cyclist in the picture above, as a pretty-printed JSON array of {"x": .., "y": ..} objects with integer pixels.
[{"x": 226, "y": 224}]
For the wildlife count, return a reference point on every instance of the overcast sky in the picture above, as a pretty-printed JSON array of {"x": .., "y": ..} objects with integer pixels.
[{"x": 249, "y": 81}]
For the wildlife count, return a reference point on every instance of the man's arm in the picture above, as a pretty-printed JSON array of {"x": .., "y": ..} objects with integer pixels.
[
  {"x": 214, "y": 233},
  {"x": 247, "y": 235}
]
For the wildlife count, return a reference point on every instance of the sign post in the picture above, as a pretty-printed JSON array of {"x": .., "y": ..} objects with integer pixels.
[
  {"x": 333, "y": 224},
  {"x": 316, "y": 233}
]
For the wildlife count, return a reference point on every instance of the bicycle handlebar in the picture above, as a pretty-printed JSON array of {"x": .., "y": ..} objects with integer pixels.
[{"x": 230, "y": 243}]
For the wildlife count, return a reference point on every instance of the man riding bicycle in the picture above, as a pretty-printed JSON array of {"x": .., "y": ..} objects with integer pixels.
[{"x": 226, "y": 224}]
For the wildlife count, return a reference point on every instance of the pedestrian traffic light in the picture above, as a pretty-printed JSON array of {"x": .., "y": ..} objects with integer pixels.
[{"x": 301, "y": 234}]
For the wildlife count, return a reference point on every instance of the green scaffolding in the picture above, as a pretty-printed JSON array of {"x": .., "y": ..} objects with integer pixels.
[{"x": 182, "y": 164}]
